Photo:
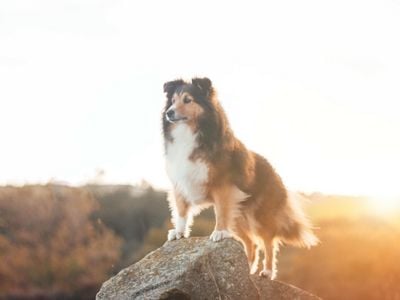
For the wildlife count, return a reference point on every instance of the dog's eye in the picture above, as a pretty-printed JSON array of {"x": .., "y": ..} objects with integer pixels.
[{"x": 187, "y": 100}]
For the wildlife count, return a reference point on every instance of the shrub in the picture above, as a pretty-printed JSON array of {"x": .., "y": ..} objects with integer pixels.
[{"x": 50, "y": 244}]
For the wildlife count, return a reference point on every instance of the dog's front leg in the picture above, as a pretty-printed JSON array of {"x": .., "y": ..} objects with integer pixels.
[
  {"x": 223, "y": 215},
  {"x": 180, "y": 217}
]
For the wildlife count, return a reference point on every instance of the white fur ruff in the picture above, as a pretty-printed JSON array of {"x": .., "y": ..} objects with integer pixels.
[{"x": 187, "y": 176}]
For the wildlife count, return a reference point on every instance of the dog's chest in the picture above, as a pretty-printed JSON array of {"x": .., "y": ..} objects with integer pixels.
[{"x": 188, "y": 176}]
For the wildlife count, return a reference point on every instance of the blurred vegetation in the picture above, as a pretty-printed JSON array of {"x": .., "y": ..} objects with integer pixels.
[
  {"x": 59, "y": 242},
  {"x": 50, "y": 246},
  {"x": 130, "y": 212}
]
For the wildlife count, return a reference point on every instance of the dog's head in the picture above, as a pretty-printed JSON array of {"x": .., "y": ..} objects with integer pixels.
[{"x": 187, "y": 101}]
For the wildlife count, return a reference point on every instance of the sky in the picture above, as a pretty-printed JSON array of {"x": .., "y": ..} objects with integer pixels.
[{"x": 311, "y": 85}]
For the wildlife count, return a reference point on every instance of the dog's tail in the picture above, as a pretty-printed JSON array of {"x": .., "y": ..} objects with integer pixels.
[{"x": 293, "y": 227}]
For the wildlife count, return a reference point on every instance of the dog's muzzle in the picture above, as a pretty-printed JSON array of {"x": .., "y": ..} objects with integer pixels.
[{"x": 172, "y": 117}]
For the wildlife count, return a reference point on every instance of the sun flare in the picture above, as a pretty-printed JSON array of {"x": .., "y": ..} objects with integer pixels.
[{"x": 384, "y": 205}]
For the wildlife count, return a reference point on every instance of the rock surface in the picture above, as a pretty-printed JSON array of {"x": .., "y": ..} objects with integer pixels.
[{"x": 195, "y": 268}]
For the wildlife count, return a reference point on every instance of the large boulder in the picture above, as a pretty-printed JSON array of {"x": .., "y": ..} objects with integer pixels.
[{"x": 195, "y": 268}]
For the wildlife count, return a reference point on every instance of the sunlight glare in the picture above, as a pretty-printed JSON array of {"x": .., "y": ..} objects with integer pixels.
[{"x": 385, "y": 205}]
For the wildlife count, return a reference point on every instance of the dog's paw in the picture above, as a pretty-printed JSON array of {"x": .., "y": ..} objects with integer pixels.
[
  {"x": 268, "y": 274},
  {"x": 175, "y": 235},
  {"x": 253, "y": 268},
  {"x": 219, "y": 235}
]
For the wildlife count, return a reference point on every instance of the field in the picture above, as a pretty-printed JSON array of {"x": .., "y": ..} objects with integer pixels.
[{"x": 63, "y": 242}]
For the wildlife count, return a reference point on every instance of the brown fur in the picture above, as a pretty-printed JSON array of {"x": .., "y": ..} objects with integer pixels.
[{"x": 266, "y": 216}]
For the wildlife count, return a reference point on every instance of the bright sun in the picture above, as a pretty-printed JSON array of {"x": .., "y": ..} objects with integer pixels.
[{"x": 385, "y": 205}]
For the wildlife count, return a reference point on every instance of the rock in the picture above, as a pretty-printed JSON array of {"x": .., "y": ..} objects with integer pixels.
[
  {"x": 195, "y": 268},
  {"x": 277, "y": 290}
]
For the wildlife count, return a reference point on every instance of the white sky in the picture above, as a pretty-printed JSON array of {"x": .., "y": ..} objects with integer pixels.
[{"x": 312, "y": 85}]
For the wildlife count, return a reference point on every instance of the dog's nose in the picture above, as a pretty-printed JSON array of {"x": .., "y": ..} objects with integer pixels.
[{"x": 170, "y": 114}]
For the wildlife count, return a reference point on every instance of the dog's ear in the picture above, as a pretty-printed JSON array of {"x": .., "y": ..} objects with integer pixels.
[
  {"x": 171, "y": 86},
  {"x": 204, "y": 84}
]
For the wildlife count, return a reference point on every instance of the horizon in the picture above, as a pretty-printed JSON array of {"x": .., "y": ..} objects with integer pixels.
[{"x": 144, "y": 184}]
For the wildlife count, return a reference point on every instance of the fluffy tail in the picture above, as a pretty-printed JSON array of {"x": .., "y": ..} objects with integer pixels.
[{"x": 294, "y": 228}]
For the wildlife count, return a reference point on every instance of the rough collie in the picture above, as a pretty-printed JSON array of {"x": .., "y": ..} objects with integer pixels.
[{"x": 208, "y": 165}]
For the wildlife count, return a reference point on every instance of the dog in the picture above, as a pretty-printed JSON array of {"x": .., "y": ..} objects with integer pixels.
[{"x": 209, "y": 166}]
